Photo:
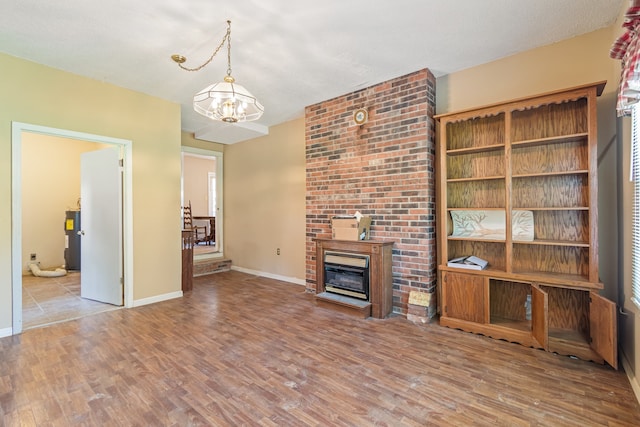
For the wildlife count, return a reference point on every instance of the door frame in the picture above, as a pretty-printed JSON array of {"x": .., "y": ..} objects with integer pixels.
[
  {"x": 17, "y": 129},
  {"x": 212, "y": 176},
  {"x": 219, "y": 196}
]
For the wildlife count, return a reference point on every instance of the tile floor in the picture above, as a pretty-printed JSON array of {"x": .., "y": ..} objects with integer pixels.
[{"x": 47, "y": 300}]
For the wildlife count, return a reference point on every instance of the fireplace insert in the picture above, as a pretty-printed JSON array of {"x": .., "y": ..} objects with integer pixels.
[{"x": 347, "y": 274}]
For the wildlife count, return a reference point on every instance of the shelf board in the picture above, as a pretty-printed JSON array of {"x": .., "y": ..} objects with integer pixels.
[
  {"x": 563, "y": 280},
  {"x": 520, "y": 325},
  {"x": 480, "y": 178},
  {"x": 572, "y": 343},
  {"x": 472, "y": 150},
  {"x": 489, "y": 271},
  {"x": 550, "y": 174},
  {"x": 565, "y": 335},
  {"x": 541, "y": 242},
  {"x": 573, "y": 281},
  {"x": 549, "y": 242},
  {"x": 552, "y": 208},
  {"x": 551, "y": 140},
  {"x": 475, "y": 239},
  {"x": 471, "y": 209}
]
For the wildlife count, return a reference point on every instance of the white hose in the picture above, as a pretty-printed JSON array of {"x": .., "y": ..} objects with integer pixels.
[{"x": 46, "y": 273}]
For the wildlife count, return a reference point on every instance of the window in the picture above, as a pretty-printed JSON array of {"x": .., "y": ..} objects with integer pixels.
[{"x": 635, "y": 177}]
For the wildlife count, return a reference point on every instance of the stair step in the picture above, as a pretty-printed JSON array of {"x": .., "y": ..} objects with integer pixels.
[{"x": 203, "y": 267}]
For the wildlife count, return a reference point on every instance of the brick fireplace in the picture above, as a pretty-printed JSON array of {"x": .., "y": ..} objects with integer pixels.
[{"x": 383, "y": 168}]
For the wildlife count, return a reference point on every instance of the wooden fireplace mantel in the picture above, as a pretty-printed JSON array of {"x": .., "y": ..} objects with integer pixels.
[{"x": 380, "y": 271}]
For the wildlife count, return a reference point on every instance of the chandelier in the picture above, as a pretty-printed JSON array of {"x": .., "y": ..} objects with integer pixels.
[{"x": 226, "y": 101}]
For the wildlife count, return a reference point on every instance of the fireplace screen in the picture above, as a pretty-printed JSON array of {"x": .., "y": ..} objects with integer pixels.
[{"x": 347, "y": 274}]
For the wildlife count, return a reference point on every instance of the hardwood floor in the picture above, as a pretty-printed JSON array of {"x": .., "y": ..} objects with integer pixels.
[
  {"x": 244, "y": 350},
  {"x": 47, "y": 300}
]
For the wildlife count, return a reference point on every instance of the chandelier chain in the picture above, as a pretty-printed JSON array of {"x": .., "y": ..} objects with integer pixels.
[
  {"x": 226, "y": 38},
  {"x": 228, "y": 48}
]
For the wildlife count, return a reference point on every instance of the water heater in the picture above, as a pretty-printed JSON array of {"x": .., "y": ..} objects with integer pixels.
[{"x": 72, "y": 240}]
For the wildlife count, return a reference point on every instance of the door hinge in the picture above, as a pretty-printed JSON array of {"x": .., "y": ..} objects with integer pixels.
[
  {"x": 122, "y": 280},
  {"x": 121, "y": 162}
]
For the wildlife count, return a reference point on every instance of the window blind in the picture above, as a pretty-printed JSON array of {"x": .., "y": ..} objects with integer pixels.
[{"x": 635, "y": 177}]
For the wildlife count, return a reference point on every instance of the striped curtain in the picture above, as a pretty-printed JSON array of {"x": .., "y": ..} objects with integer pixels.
[{"x": 627, "y": 49}]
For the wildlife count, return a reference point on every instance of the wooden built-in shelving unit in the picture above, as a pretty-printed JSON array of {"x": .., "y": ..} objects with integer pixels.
[{"x": 534, "y": 154}]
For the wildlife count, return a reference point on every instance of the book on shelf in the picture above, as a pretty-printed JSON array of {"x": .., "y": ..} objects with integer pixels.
[{"x": 469, "y": 262}]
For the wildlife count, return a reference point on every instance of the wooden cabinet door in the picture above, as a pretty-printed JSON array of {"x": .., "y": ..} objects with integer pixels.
[
  {"x": 463, "y": 296},
  {"x": 539, "y": 318},
  {"x": 603, "y": 328}
]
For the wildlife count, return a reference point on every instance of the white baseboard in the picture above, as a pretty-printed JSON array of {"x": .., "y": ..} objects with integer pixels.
[
  {"x": 6, "y": 332},
  {"x": 157, "y": 298},
  {"x": 270, "y": 276},
  {"x": 632, "y": 379}
]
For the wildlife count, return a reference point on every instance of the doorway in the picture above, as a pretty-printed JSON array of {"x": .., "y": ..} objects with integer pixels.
[
  {"x": 201, "y": 186},
  {"x": 22, "y": 132}
]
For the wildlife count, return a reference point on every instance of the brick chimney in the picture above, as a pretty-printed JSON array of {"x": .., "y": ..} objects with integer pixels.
[{"x": 383, "y": 168}]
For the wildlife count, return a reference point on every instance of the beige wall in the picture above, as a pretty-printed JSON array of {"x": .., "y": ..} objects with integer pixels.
[
  {"x": 572, "y": 62},
  {"x": 264, "y": 202},
  {"x": 50, "y": 186},
  {"x": 39, "y": 95}
]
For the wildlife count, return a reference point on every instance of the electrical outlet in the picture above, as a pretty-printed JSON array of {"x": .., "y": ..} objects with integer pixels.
[
  {"x": 278, "y": 251},
  {"x": 33, "y": 257}
]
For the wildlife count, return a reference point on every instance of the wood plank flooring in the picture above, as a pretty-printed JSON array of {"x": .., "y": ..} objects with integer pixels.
[{"x": 244, "y": 350}]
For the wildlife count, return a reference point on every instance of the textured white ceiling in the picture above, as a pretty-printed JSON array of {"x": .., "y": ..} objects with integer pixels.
[{"x": 288, "y": 53}]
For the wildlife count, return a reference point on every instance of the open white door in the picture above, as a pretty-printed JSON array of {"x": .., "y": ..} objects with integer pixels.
[{"x": 101, "y": 244}]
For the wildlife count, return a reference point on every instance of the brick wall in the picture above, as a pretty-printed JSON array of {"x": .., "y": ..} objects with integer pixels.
[{"x": 384, "y": 169}]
